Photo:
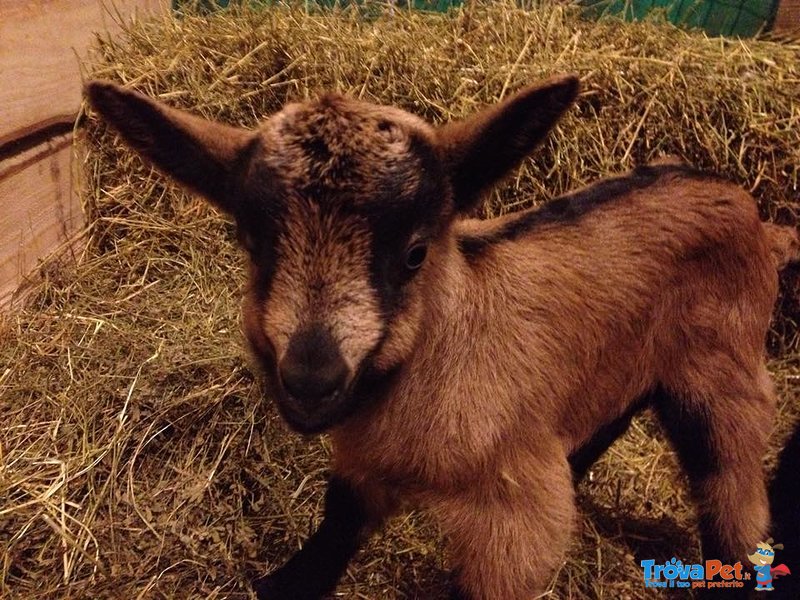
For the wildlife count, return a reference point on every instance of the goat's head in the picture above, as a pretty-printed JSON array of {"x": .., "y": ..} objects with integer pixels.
[{"x": 342, "y": 206}]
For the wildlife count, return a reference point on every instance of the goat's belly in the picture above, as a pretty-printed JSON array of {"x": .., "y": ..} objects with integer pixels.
[{"x": 607, "y": 391}]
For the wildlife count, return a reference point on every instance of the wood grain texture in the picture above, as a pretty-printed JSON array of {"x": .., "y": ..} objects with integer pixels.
[
  {"x": 787, "y": 20},
  {"x": 40, "y": 45},
  {"x": 40, "y": 210}
]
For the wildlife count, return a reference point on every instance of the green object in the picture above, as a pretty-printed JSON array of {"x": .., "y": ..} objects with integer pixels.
[{"x": 734, "y": 18}]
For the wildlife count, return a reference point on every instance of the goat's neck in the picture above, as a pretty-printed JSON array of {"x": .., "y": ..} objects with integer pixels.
[
  {"x": 454, "y": 299},
  {"x": 437, "y": 384}
]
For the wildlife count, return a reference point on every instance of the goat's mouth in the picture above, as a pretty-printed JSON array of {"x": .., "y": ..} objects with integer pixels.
[
  {"x": 313, "y": 415},
  {"x": 318, "y": 416}
]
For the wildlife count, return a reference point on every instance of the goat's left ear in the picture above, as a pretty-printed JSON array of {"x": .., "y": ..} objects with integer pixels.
[
  {"x": 481, "y": 149},
  {"x": 201, "y": 154}
]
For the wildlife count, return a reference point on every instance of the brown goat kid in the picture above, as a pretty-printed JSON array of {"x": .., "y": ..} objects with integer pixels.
[{"x": 473, "y": 368}]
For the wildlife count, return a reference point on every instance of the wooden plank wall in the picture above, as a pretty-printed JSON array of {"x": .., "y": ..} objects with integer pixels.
[{"x": 41, "y": 44}]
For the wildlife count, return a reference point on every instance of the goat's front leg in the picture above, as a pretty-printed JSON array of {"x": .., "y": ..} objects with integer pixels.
[
  {"x": 314, "y": 571},
  {"x": 508, "y": 533}
]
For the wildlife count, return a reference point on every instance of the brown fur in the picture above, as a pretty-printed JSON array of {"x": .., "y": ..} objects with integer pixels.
[
  {"x": 682, "y": 298},
  {"x": 520, "y": 337}
]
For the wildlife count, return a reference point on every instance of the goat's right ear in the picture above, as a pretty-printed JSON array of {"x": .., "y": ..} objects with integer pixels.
[
  {"x": 198, "y": 153},
  {"x": 482, "y": 149}
]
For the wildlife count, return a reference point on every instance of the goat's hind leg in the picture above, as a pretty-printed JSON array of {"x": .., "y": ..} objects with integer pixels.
[
  {"x": 719, "y": 422},
  {"x": 785, "y": 503}
]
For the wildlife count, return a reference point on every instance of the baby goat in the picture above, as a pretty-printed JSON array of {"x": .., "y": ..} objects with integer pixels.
[{"x": 471, "y": 367}]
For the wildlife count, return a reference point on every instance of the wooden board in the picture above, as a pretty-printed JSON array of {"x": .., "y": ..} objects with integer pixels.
[
  {"x": 40, "y": 45},
  {"x": 40, "y": 210},
  {"x": 788, "y": 18}
]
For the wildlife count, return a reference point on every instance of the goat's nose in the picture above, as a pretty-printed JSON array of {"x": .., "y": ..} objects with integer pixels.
[{"x": 313, "y": 369}]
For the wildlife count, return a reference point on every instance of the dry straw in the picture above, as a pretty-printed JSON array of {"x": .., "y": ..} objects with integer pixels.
[{"x": 137, "y": 457}]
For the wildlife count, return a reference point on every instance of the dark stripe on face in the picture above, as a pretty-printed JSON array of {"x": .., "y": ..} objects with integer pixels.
[
  {"x": 259, "y": 224},
  {"x": 571, "y": 208},
  {"x": 419, "y": 211}
]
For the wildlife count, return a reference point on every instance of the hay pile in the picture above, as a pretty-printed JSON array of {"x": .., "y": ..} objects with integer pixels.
[{"x": 137, "y": 459}]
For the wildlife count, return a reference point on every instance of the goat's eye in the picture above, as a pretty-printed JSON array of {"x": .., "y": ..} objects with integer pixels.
[{"x": 415, "y": 256}]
